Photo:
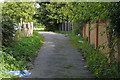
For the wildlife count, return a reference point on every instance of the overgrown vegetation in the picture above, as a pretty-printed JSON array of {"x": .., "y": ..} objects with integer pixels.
[
  {"x": 96, "y": 61},
  {"x": 19, "y": 53},
  {"x": 48, "y": 15},
  {"x": 80, "y": 13},
  {"x": 51, "y": 14},
  {"x": 7, "y": 31}
]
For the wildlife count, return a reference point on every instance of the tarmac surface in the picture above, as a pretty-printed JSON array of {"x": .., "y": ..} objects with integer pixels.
[{"x": 58, "y": 58}]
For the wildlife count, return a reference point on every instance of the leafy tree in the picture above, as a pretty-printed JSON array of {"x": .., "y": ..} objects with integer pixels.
[
  {"x": 49, "y": 14},
  {"x": 17, "y": 10}
]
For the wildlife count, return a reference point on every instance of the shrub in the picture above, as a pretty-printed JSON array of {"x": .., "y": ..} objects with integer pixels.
[
  {"x": 78, "y": 27},
  {"x": 7, "y": 31}
]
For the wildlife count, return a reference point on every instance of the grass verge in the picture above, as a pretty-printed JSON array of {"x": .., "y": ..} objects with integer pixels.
[
  {"x": 19, "y": 53},
  {"x": 95, "y": 60}
]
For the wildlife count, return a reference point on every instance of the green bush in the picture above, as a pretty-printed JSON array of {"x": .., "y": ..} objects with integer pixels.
[
  {"x": 7, "y": 31},
  {"x": 25, "y": 47},
  {"x": 78, "y": 27}
]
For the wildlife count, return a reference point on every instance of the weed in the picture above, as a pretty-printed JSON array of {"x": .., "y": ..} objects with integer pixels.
[
  {"x": 96, "y": 60},
  {"x": 19, "y": 53}
]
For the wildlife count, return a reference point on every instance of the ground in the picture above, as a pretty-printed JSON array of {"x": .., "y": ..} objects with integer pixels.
[{"x": 58, "y": 58}]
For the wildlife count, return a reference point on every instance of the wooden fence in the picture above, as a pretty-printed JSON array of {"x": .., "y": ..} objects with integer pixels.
[
  {"x": 96, "y": 36},
  {"x": 93, "y": 33},
  {"x": 24, "y": 30},
  {"x": 67, "y": 26}
]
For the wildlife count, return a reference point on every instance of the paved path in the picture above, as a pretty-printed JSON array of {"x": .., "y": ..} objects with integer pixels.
[{"x": 58, "y": 58}]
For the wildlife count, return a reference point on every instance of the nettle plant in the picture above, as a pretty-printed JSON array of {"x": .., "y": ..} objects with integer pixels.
[{"x": 7, "y": 31}]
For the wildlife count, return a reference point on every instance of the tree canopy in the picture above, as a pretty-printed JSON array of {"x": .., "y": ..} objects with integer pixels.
[
  {"x": 17, "y": 10},
  {"x": 51, "y": 13}
]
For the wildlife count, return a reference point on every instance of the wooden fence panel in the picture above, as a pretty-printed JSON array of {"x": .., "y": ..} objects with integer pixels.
[
  {"x": 24, "y": 30},
  {"x": 67, "y": 26},
  {"x": 92, "y": 34}
]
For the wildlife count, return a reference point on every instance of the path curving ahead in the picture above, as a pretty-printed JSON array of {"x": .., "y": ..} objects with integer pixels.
[{"x": 57, "y": 58}]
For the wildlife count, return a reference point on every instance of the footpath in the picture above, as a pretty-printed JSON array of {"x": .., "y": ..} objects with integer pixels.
[{"x": 58, "y": 58}]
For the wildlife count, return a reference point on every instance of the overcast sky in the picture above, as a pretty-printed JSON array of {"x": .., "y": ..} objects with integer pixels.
[{"x": 1, "y": 0}]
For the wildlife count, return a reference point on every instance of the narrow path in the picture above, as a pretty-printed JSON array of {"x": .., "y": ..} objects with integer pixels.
[{"x": 58, "y": 58}]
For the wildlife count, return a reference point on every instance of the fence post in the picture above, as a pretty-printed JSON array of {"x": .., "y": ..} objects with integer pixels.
[
  {"x": 24, "y": 28},
  {"x": 72, "y": 27},
  {"x": 85, "y": 30},
  {"x": 59, "y": 27},
  {"x": 68, "y": 26},
  {"x": 27, "y": 30},
  {"x": 62, "y": 26},
  {"x": 89, "y": 33},
  {"x": 65, "y": 25},
  {"x": 18, "y": 34},
  {"x": 31, "y": 30},
  {"x": 21, "y": 21},
  {"x": 96, "y": 35}
]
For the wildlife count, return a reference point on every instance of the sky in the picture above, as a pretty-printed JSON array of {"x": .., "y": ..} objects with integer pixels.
[{"x": 1, "y": 0}]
